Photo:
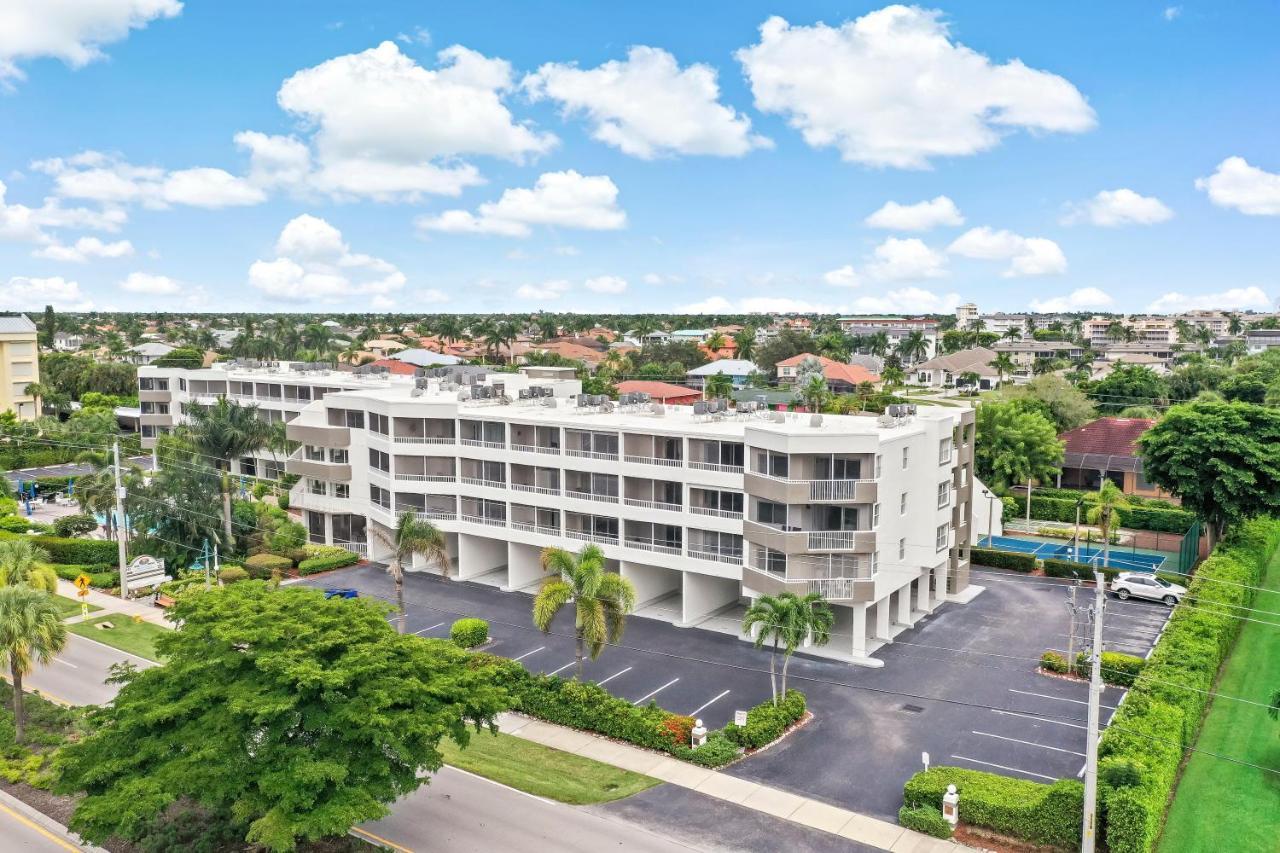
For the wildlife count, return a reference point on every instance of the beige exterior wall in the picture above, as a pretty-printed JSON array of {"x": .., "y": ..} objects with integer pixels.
[{"x": 19, "y": 367}]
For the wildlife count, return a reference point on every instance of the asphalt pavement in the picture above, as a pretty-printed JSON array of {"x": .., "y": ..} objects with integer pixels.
[
  {"x": 69, "y": 469},
  {"x": 77, "y": 675},
  {"x": 24, "y": 830}
]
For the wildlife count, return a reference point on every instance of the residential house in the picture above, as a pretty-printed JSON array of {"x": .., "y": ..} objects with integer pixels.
[
  {"x": 148, "y": 352},
  {"x": 944, "y": 371},
  {"x": 737, "y": 369},
  {"x": 841, "y": 378},
  {"x": 1107, "y": 448},
  {"x": 661, "y": 392}
]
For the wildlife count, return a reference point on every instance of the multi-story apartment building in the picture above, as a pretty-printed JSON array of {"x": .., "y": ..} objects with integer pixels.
[
  {"x": 895, "y": 335},
  {"x": 700, "y": 508},
  {"x": 19, "y": 366},
  {"x": 923, "y": 324},
  {"x": 966, "y": 314}
]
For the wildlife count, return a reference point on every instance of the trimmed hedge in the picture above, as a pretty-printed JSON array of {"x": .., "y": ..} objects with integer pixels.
[
  {"x": 261, "y": 566},
  {"x": 102, "y": 576},
  {"x": 1159, "y": 518},
  {"x": 1043, "y": 814},
  {"x": 330, "y": 558},
  {"x": 1055, "y": 662},
  {"x": 1117, "y": 668},
  {"x": 63, "y": 550},
  {"x": 469, "y": 633},
  {"x": 766, "y": 722},
  {"x": 232, "y": 574},
  {"x": 926, "y": 820},
  {"x": 998, "y": 559},
  {"x": 1144, "y": 744},
  {"x": 1067, "y": 569}
]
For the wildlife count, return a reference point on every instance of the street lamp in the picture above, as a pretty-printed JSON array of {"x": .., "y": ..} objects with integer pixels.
[{"x": 991, "y": 514}]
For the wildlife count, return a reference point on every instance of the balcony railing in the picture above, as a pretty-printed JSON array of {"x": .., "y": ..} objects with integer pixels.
[
  {"x": 536, "y": 448},
  {"x": 479, "y": 481},
  {"x": 716, "y": 466},
  {"x": 587, "y": 536},
  {"x": 591, "y": 496},
  {"x": 645, "y": 544},
  {"x": 423, "y": 439},
  {"x": 591, "y": 454},
  {"x": 530, "y": 527},
  {"x": 485, "y": 519},
  {"x": 669, "y": 507},
  {"x": 361, "y": 548},
  {"x": 719, "y": 513},
  {"x": 821, "y": 490},
  {"x": 653, "y": 460},
  {"x": 702, "y": 552},
  {"x": 427, "y": 478},
  {"x": 832, "y": 540},
  {"x": 492, "y": 445},
  {"x": 436, "y": 514},
  {"x": 537, "y": 490}
]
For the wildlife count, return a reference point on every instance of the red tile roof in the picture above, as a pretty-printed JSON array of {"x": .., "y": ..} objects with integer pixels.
[
  {"x": 664, "y": 392},
  {"x": 1107, "y": 436},
  {"x": 402, "y": 368},
  {"x": 835, "y": 371}
]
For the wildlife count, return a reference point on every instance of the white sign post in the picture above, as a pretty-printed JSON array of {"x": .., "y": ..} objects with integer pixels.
[
  {"x": 739, "y": 718},
  {"x": 924, "y": 756}
]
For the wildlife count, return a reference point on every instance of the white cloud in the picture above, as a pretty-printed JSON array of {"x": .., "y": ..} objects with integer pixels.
[
  {"x": 916, "y": 217},
  {"x": 71, "y": 30},
  {"x": 389, "y": 129},
  {"x": 1026, "y": 255},
  {"x": 31, "y": 294},
  {"x": 892, "y": 89},
  {"x": 567, "y": 251},
  {"x": 212, "y": 188},
  {"x": 658, "y": 279},
  {"x": 908, "y": 300},
  {"x": 899, "y": 259},
  {"x": 1234, "y": 299},
  {"x": 1172, "y": 12},
  {"x": 1081, "y": 299},
  {"x": 1111, "y": 208},
  {"x": 710, "y": 305},
  {"x": 23, "y": 224},
  {"x": 648, "y": 106},
  {"x": 432, "y": 296},
  {"x": 565, "y": 199},
  {"x": 275, "y": 160},
  {"x": 545, "y": 291},
  {"x": 152, "y": 285},
  {"x": 1246, "y": 188},
  {"x": 84, "y": 249},
  {"x": 606, "y": 284},
  {"x": 844, "y": 276},
  {"x": 314, "y": 263},
  {"x": 94, "y": 176},
  {"x": 420, "y": 35},
  {"x": 781, "y": 305}
]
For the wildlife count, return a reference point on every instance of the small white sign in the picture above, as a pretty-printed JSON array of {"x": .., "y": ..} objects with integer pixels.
[
  {"x": 924, "y": 757},
  {"x": 739, "y": 718}
]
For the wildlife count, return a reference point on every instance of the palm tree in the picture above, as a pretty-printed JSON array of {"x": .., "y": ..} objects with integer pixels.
[
  {"x": 1003, "y": 364},
  {"x": 412, "y": 536},
  {"x": 1105, "y": 512},
  {"x": 1234, "y": 324},
  {"x": 718, "y": 385},
  {"x": 224, "y": 431},
  {"x": 893, "y": 376},
  {"x": 602, "y": 600},
  {"x": 744, "y": 343},
  {"x": 1012, "y": 334},
  {"x": 914, "y": 347},
  {"x": 878, "y": 344},
  {"x": 834, "y": 345},
  {"x": 31, "y": 632},
  {"x": 715, "y": 341},
  {"x": 449, "y": 329},
  {"x": 814, "y": 392},
  {"x": 548, "y": 327},
  {"x": 811, "y": 618},
  {"x": 770, "y": 614},
  {"x": 25, "y": 564}
]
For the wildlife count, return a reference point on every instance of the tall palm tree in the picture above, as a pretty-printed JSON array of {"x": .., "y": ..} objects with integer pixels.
[
  {"x": 718, "y": 385},
  {"x": 893, "y": 376},
  {"x": 412, "y": 536},
  {"x": 31, "y": 632},
  {"x": 1234, "y": 324},
  {"x": 601, "y": 600},
  {"x": 224, "y": 431},
  {"x": 1012, "y": 334},
  {"x": 715, "y": 341},
  {"x": 1003, "y": 364},
  {"x": 25, "y": 564},
  {"x": 744, "y": 343},
  {"x": 810, "y": 618},
  {"x": 913, "y": 347},
  {"x": 878, "y": 344},
  {"x": 1105, "y": 513},
  {"x": 449, "y": 329},
  {"x": 814, "y": 392},
  {"x": 767, "y": 618}
]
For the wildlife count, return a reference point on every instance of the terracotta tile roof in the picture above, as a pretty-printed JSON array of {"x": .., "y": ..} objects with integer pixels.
[
  {"x": 1107, "y": 436},
  {"x": 665, "y": 392},
  {"x": 402, "y": 368},
  {"x": 835, "y": 371}
]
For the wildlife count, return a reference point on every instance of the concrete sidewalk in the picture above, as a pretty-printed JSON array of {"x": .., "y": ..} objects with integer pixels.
[
  {"x": 111, "y": 604},
  {"x": 762, "y": 798}
]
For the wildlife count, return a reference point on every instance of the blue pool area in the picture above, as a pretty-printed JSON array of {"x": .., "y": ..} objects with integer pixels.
[{"x": 1133, "y": 561}]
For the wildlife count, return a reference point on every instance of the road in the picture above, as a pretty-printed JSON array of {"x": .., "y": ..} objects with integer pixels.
[
  {"x": 21, "y": 833},
  {"x": 77, "y": 675}
]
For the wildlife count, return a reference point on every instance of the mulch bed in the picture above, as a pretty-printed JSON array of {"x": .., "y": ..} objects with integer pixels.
[{"x": 983, "y": 839}]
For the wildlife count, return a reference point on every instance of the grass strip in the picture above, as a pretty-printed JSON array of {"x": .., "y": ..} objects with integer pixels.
[{"x": 137, "y": 638}]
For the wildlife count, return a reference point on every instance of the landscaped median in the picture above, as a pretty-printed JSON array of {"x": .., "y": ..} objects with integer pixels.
[{"x": 127, "y": 634}]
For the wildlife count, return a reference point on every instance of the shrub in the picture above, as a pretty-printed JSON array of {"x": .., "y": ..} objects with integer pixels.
[
  {"x": 331, "y": 558},
  {"x": 926, "y": 820},
  {"x": 260, "y": 490},
  {"x": 14, "y": 524},
  {"x": 102, "y": 576},
  {"x": 260, "y": 566},
  {"x": 767, "y": 722},
  {"x": 62, "y": 550},
  {"x": 1003, "y": 559},
  {"x": 1060, "y": 505},
  {"x": 1054, "y": 662},
  {"x": 469, "y": 633},
  {"x": 74, "y": 525},
  {"x": 174, "y": 587},
  {"x": 232, "y": 574},
  {"x": 282, "y": 500},
  {"x": 716, "y": 752},
  {"x": 1042, "y": 814},
  {"x": 1117, "y": 668}
]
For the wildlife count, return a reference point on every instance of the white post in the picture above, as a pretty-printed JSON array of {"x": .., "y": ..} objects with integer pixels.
[
  {"x": 1091, "y": 744},
  {"x": 1028, "y": 504},
  {"x": 120, "y": 525}
]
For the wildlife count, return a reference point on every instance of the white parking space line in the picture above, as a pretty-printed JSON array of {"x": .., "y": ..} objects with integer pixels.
[
  {"x": 1037, "y": 719},
  {"x": 533, "y": 652},
  {"x": 432, "y": 628},
  {"x": 1029, "y": 743},
  {"x": 656, "y": 692},
  {"x": 1058, "y": 698},
  {"x": 1010, "y": 769},
  {"x": 66, "y": 663},
  {"x": 702, "y": 708},
  {"x": 612, "y": 677},
  {"x": 563, "y": 668}
]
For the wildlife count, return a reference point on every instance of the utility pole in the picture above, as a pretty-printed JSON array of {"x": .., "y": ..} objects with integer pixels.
[
  {"x": 1028, "y": 504},
  {"x": 1075, "y": 541},
  {"x": 1071, "y": 635},
  {"x": 123, "y": 556},
  {"x": 1089, "y": 835}
]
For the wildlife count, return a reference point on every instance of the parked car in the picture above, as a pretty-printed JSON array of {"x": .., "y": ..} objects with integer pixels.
[{"x": 1141, "y": 585}]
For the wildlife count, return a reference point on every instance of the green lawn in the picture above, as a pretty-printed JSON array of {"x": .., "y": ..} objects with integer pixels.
[
  {"x": 134, "y": 637},
  {"x": 1221, "y": 806},
  {"x": 544, "y": 771},
  {"x": 71, "y": 606}
]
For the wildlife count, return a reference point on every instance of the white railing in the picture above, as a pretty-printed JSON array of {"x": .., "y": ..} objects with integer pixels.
[
  {"x": 832, "y": 540},
  {"x": 538, "y": 490},
  {"x": 492, "y": 445},
  {"x": 652, "y": 504},
  {"x": 436, "y": 515},
  {"x": 715, "y": 466},
  {"x": 653, "y": 460},
  {"x": 477, "y": 481},
  {"x": 591, "y": 454},
  {"x": 530, "y": 527},
  {"x": 427, "y": 478},
  {"x": 361, "y": 548},
  {"x": 833, "y": 588},
  {"x": 650, "y": 545},
  {"x": 598, "y": 538},
  {"x": 719, "y": 513},
  {"x": 834, "y": 490},
  {"x": 423, "y": 439},
  {"x": 704, "y": 553},
  {"x": 536, "y": 448},
  {"x": 482, "y": 519},
  {"x": 590, "y": 496}
]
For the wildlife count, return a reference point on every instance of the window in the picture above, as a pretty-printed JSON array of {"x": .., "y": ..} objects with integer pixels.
[
  {"x": 944, "y": 494},
  {"x": 879, "y": 463},
  {"x": 944, "y": 451},
  {"x": 768, "y": 512},
  {"x": 902, "y": 504},
  {"x": 312, "y": 453},
  {"x": 380, "y": 496},
  {"x": 317, "y": 487},
  {"x": 772, "y": 464},
  {"x": 902, "y": 549},
  {"x": 941, "y": 541},
  {"x": 355, "y": 420},
  {"x": 906, "y": 456},
  {"x": 875, "y": 515},
  {"x": 379, "y": 423},
  {"x": 182, "y": 384},
  {"x": 339, "y": 455},
  {"x": 379, "y": 460},
  {"x": 342, "y": 490}
]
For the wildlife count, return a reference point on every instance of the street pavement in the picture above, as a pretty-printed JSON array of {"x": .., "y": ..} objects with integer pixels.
[
  {"x": 22, "y": 831},
  {"x": 77, "y": 675}
]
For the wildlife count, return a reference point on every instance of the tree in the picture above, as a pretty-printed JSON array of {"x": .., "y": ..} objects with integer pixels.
[
  {"x": 813, "y": 391},
  {"x": 893, "y": 376},
  {"x": 717, "y": 386},
  {"x": 1105, "y": 513},
  {"x": 914, "y": 347},
  {"x": 1066, "y": 405},
  {"x": 766, "y": 620},
  {"x": 1014, "y": 445},
  {"x": 601, "y": 600},
  {"x": 787, "y": 343},
  {"x": 171, "y": 509},
  {"x": 224, "y": 431},
  {"x": 811, "y": 618},
  {"x": 320, "y": 715},
  {"x": 1003, "y": 364},
  {"x": 47, "y": 327},
  {"x": 744, "y": 343},
  {"x": 188, "y": 357},
  {"x": 715, "y": 341},
  {"x": 785, "y": 621},
  {"x": 1221, "y": 459},
  {"x": 25, "y": 564},
  {"x": 31, "y": 632},
  {"x": 1129, "y": 385},
  {"x": 412, "y": 536}
]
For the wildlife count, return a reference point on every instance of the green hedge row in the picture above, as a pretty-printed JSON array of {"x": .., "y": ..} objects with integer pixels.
[
  {"x": 998, "y": 559},
  {"x": 1067, "y": 569},
  {"x": 1144, "y": 744},
  {"x": 766, "y": 722},
  {"x": 926, "y": 820},
  {"x": 1119, "y": 669},
  {"x": 1043, "y": 814},
  {"x": 73, "y": 551},
  {"x": 1047, "y": 508},
  {"x": 102, "y": 576},
  {"x": 1091, "y": 497},
  {"x": 326, "y": 561}
]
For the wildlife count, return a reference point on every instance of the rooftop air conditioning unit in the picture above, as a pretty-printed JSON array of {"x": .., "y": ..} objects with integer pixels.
[{"x": 815, "y": 420}]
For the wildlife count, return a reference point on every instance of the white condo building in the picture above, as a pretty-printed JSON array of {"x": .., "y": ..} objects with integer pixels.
[{"x": 700, "y": 510}]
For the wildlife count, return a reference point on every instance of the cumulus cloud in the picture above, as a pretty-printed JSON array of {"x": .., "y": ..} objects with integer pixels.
[
  {"x": 710, "y": 305},
  {"x": 1171, "y": 13},
  {"x": 314, "y": 263},
  {"x": 920, "y": 216},
  {"x": 1111, "y": 208},
  {"x": 71, "y": 30},
  {"x": 152, "y": 285},
  {"x": 606, "y": 284},
  {"x": 31, "y": 294},
  {"x": 648, "y": 106},
  {"x": 564, "y": 199},
  {"x": 1246, "y": 188},
  {"x": 908, "y": 300},
  {"x": 1081, "y": 299},
  {"x": 844, "y": 276},
  {"x": 543, "y": 292},
  {"x": 109, "y": 180},
  {"x": 22, "y": 224},
  {"x": 905, "y": 259},
  {"x": 431, "y": 296},
  {"x": 893, "y": 89},
  {"x": 1234, "y": 299},
  {"x": 275, "y": 161},
  {"x": 85, "y": 249},
  {"x": 658, "y": 279},
  {"x": 1026, "y": 255}
]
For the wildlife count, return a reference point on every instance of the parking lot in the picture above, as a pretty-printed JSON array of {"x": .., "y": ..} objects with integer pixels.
[{"x": 962, "y": 685}]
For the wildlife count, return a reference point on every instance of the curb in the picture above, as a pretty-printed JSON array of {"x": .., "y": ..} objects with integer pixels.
[{"x": 46, "y": 822}]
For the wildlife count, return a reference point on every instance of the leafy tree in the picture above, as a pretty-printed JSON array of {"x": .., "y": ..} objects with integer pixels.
[
  {"x": 1003, "y": 364},
  {"x": 744, "y": 343},
  {"x": 1195, "y": 375},
  {"x": 224, "y": 431},
  {"x": 686, "y": 354},
  {"x": 601, "y": 600},
  {"x": 189, "y": 357},
  {"x": 716, "y": 341},
  {"x": 1067, "y": 406},
  {"x": 1014, "y": 445},
  {"x": 893, "y": 376},
  {"x": 718, "y": 386},
  {"x": 1129, "y": 385},
  {"x": 1150, "y": 413},
  {"x": 787, "y": 343},
  {"x": 294, "y": 716},
  {"x": 48, "y": 326},
  {"x": 25, "y": 564},
  {"x": 914, "y": 347},
  {"x": 1107, "y": 512},
  {"x": 172, "y": 511},
  {"x": 1245, "y": 388},
  {"x": 1221, "y": 459},
  {"x": 31, "y": 632},
  {"x": 412, "y": 536}
]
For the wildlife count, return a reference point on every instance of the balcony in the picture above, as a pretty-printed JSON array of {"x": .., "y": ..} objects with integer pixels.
[
  {"x": 316, "y": 469},
  {"x": 478, "y": 481},
  {"x": 719, "y": 555},
  {"x": 659, "y": 547},
  {"x": 597, "y": 538},
  {"x": 715, "y": 466},
  {"x": 436, "y": 515},
  {"x": 788, "y": 491},
  {"x": 532, "y": 527},
  {"x": 427, "y": 478},
  {"x": 491, "y": 445},
  {"x": 537, "y": 490},
  {"x": 718, "y": 513},
  {"x": 318, "y": 435},
  {"x": 834, "y": 577},
  {"x": 485, "y": 519},
  {"x": 591, "y": 454},
  {"x": 794, "y": 540},
  {"x": 667, "y": 507},
  {"x": 536, "y": 448},
  {"x": 591, "y": 496},
  {"x": 423, "y": 439},
  {"x": 653, "y": 460}
]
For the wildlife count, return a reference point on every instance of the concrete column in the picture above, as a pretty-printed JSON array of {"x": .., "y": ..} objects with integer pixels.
[
  {"x": 651, "y": 582},
  {"x": 859, "y": 630},
  {"x": 922, "y": 594},
  {"x": 524, "y": 568},
  {"x": 904, "y": 606},
  {"x": 882, "y": 619},
  {"x": 940, "y": 584}
]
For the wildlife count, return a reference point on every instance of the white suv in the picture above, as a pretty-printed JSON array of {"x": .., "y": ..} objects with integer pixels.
[{"x": 1141, "y": 585}]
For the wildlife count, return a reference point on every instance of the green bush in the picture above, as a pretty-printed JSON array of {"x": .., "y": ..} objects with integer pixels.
[
  {"x": 174, "y": 587},
  {"x": 333, "y": 558},
  {"x": 469, "y": 633},
  {"x": 62, "y": 550},
  {"x": 767, "y": 722},
  {"x": 282, "y": 500},
  {"x": 260, "y": 566},
  {"x": 1055, "y": 662},
  {"x": 716, "y": 752},
  {"x": 232, "y": 574},
  {"x": 926, "y": 820},
  {"x": 74, "y": 525},
  {"x": 1117, "y": 668},
  {"x": 1067, "y": 569},
  {"x": 1042, "y": 814},
  {"x": 998, "y": 559},
  {"x": 260, "y": 489},
  {"x": 14, "y": 524},
  {"x": 1060, "y": 505},
  {"x": 101, "y": 576}
]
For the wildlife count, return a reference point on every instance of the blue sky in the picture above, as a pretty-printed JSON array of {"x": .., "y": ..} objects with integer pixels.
[{"x": 647, "y": 157}]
